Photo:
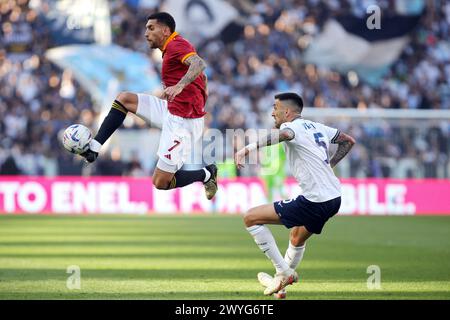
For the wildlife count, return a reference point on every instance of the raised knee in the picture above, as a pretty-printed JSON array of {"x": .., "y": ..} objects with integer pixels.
[
  {"x": 127, "y": 98},
  {"x": 249, "y": 218}
]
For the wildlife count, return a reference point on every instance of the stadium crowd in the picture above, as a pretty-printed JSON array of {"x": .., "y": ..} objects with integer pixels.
[{"x": 37, "y": 99}]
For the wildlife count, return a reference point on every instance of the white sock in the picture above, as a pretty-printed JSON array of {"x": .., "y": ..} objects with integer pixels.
[
  {"x": 94, "y": 145},
  {"x": 207, "y": 175},
  {"x": 266, "y": 242},
  {"x": 294, "y": 255}
]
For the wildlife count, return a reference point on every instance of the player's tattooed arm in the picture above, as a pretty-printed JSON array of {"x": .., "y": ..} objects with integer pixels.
[
  {"x": 275, "y": 136},
  {"x": 196, "y": 66},
  {"x": 206, "y": 85},
  {"x": 345, "y": 143}
]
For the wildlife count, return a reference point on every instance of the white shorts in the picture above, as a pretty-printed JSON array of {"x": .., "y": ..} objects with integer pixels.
[{"x": 179, "y": 136}]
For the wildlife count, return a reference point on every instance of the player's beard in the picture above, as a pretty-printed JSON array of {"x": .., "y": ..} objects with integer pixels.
[{"x": 151, "y": 44}]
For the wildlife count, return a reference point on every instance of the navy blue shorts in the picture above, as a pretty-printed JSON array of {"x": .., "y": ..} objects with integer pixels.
[{"x": 302, "y": 212}]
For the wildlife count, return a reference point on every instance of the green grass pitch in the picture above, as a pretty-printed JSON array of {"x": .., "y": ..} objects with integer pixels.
[{"x": 213, "y": 257}]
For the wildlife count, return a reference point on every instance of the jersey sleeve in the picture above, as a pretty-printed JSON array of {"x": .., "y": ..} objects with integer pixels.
[
  {"x": 287, "y": 125},
  {"x": 291, "y": 126},
  {"x": 181, "y": 50},
  {"x": 332, "y": 133}
]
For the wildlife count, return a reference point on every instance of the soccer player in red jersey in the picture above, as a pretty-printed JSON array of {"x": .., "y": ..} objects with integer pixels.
[{"x": 179, "y": 113}]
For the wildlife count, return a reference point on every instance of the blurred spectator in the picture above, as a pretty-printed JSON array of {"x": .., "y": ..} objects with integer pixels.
[
  {"x": 9, "y": 167},
  {"x": 134, "y": 167},
  {"x": 37, "y": 99},
  {"x": 110, "y": 164}
]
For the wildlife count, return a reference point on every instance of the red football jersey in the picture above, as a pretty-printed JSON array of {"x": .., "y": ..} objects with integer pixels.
[{"x": 190, "y": 103}]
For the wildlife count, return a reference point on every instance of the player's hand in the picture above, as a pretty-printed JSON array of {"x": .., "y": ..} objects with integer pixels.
[
  {"x": 171, "y": 92},
  {"x": 239, "y": 158}
]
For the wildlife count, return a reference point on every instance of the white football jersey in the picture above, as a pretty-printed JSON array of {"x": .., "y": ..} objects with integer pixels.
[{"x": 308, "y": 156}]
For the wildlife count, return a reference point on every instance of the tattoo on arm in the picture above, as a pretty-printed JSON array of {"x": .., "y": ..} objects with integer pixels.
[
  {"x": 345, "y": 143},
  {"x": 196, "y": 66},
  {"x": 276, "y": 136},
  {"x": 206, "y": 85}
]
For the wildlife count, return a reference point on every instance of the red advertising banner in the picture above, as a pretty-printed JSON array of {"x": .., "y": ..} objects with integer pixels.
[{"x": 120, "y": 195}]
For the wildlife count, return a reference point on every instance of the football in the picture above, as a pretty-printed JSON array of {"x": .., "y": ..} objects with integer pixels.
[{"x": 76, "y": 138}]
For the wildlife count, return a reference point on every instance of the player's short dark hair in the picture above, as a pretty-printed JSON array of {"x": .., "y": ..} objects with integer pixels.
[
  {"x": 164, "y": 18},
  {"x": 293, "y": 97}
]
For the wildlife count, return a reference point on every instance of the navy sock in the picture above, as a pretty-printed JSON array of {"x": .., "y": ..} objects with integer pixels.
[
  {"x": 112, "y": 121},
  {"x": 183, "y": 178}
]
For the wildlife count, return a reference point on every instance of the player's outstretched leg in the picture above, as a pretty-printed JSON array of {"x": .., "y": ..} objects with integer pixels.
[
  {"x": 166, "y": 180},
  {"x": 254, "y": 220},
  {"x": 124, "y": 102}
]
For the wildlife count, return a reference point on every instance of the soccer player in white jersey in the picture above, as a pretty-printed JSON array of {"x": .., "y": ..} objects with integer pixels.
[{"x": 306, "y": 144}]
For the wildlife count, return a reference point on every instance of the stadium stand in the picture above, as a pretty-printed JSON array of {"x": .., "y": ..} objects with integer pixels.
[{"x": 38, "y": 99}]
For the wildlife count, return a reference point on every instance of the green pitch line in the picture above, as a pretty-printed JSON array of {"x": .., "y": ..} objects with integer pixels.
[{"x": 213, "y": 257}]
